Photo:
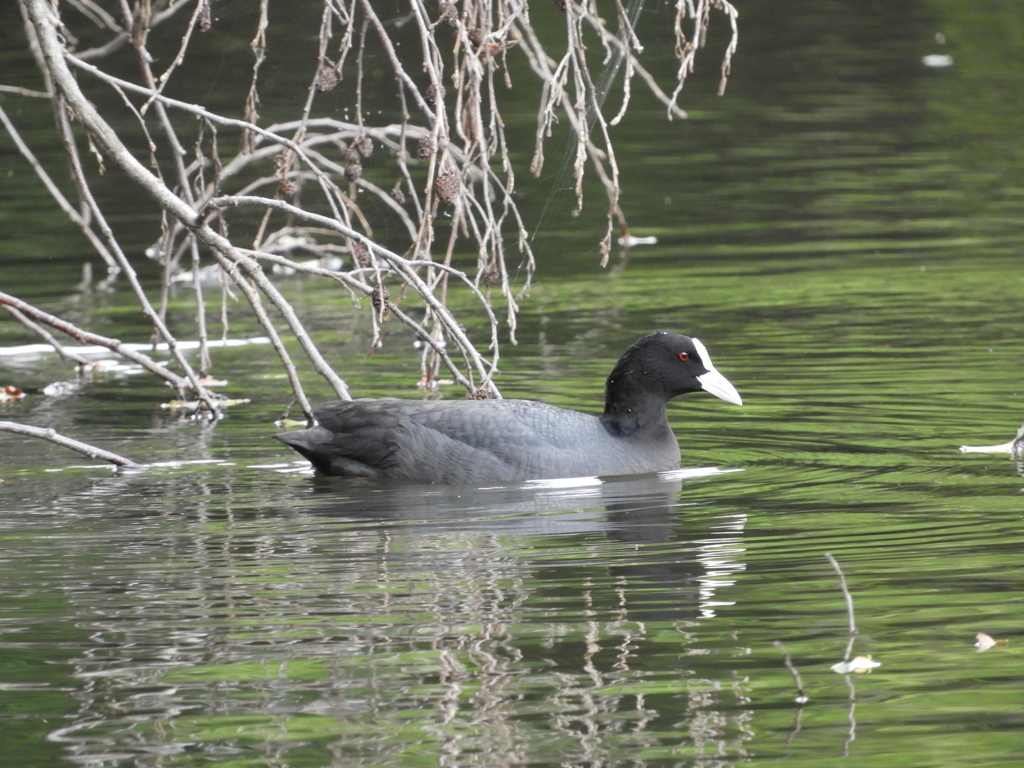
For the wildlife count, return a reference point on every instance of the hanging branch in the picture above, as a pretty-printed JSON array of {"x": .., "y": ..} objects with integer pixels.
[
  {"x": 57, "y": 195},
  {"x": 451, "y": 190}
]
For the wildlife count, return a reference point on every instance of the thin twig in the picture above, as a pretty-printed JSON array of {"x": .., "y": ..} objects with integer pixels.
[
  {"x": 63, "y": 80},
  {"x": 455, "y": 194},
  {"x": 57, "y": 195},
  {"x": 254, "y": 301},
  {"x": 801, "y": 696},
  {"x": 87, "y": 337},
  {"x": 849, "y": 603},
  {"x": 84, "y": 448},
  {"x": 27, "y": 92},
  {"x": 404, "y": 266},
  {"x": 48, "y": 337}
]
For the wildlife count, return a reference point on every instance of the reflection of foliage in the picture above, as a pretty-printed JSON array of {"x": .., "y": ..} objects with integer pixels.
[
  {"x": 411, "y": 640},
  {"x": 249, "y": 195}
]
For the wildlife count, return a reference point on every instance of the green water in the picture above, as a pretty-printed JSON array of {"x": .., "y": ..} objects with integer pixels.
[{"x": 842, "y": 231}]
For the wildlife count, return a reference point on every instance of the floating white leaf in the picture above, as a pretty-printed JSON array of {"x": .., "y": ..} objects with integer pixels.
[{"x": 857, "y": 665}]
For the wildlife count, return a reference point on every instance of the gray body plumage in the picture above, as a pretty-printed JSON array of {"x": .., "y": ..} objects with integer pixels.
[{"x": 472, "y": 441}]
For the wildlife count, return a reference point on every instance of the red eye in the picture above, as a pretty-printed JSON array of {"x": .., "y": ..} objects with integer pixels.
[{"x": 684, "y": 356}]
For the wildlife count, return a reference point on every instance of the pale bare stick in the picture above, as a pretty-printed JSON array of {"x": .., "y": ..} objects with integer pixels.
[
  {"x": 85, "y": 192},
  {"x": 121, "y": 36},
  {"x": 801, "y": 696},
  {"x": 405, "y": 267},
  {"x": 44, "y": 22},
  {"x": 57, "y": 195},
  {"x": 180, "y": 383},
  {"x": 46, "y": 433},
  {"x": 27, "y": 92},
  {"x": 849, "y": 603},
  {"x": 466, "y": 174},
  {"x": 48, "y": 337},
  {"x": 253, "y": 297},
  {"x": 225, "y": 252}
]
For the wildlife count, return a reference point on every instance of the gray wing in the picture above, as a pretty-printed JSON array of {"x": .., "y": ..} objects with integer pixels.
[{"x": 451, "y": 441}]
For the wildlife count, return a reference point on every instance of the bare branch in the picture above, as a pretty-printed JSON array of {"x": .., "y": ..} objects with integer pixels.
[
  {"x": 84, "y": 448},
  {"x": 180, "y": 384},
  {"x": 446, "y": 187},
  {"x": 44, "y": 334}
]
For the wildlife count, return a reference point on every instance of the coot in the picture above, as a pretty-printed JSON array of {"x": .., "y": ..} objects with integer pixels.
[{"x": 495, "y": 441}]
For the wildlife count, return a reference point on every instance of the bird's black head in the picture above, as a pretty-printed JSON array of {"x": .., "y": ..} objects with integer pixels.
[{"x": 657, "y": 368}]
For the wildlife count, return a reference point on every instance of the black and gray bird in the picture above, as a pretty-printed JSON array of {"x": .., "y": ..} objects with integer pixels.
[{"x": 497, "y": 441}]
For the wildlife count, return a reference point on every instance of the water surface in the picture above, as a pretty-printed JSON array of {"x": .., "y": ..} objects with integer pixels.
[{"x": 841, "y": 231}]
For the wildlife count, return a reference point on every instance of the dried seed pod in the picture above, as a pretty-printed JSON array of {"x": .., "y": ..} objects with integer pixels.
[
  {"x": 560, "y": 5},
  {"x": 425, "y": 147},
  {"x": 351, "y": 154},
  {"x": 360, "y": 253},
  {"x": 363, "y": 145},
  {"x": 326, "y": 78},
  {"x": 447, "y": 186},
  {"x": 286, "y": 188},
  {"x": 477, "y": 395},
  {"x": 379, "y": 297},
  {"x": 476, "y": 36},
  {"x": 432, "y": 93},
  {"x": 353, "y": 171},
  {"x": 490, "y": 277}
]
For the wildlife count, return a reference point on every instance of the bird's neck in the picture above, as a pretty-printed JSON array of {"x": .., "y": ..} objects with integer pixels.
[{"x": 630, "y": 409}]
